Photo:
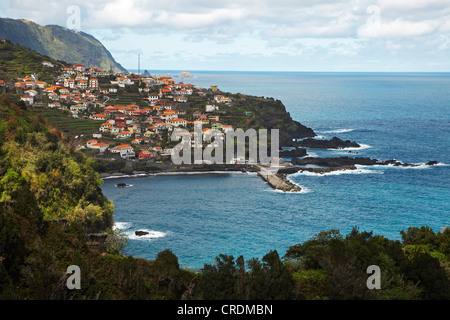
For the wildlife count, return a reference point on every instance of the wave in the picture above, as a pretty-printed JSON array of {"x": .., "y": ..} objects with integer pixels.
[
  {"x": 302, "y": 190},
  {"x": 337, "y": 131},
  {"x": 197, "y": 172},
  {"x": 152, "y": 234},
  {"x": 362, "y": 169},
  {"x": 118, "y": 176},
  {"x": 420, "y": 165},
  {"x": 338, "y": 172},
  {"x": 173, "y": 173},
  {"x": 312, "y": 154},
  {"x": 126, "y": 228},
  {"x": 122, "y": 225},
  {"x": 361, "y": 147},
  {"x": 440, "y": 164}
]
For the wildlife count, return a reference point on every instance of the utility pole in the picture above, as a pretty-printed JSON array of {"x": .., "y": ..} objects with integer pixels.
[
  {"x": 139, "y": 63},
  {"x": 139, "y": 69}
]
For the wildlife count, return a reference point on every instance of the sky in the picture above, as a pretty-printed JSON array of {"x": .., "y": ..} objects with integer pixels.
[{"x": 258, "y": 35}]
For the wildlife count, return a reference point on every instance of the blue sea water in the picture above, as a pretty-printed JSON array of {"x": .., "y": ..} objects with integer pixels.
[{"x": 393, "y": 116}]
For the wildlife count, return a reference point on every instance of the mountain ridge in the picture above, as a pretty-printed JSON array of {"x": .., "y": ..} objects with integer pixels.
[{"x": 59, "y": 43}]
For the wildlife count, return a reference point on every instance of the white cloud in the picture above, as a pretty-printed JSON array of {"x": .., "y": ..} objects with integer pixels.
[
  {"x": 223, "y": 19},
  {"x": 209, "y": 30},
  {"x": 397, "y": 28},
  {"x": 383, "y": 23},
  {"x": 407, "y": 5}
]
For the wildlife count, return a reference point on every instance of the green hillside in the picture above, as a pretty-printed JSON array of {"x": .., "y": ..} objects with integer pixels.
[
  {"x": 59, "y": 43},
  {"x": 18, "y": 61}
]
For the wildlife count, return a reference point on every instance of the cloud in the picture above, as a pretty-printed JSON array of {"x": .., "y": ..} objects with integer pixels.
[
  {"x": 413, "y": 5},
  {"x": 226, "y": 19},
  {"x": 401, "y": 18},
  {"x": 210, "y": 30}
]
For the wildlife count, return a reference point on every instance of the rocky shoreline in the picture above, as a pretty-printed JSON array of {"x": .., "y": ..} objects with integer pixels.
[
  {"x": 339, "y": 162},
  {"x": 167, "y": 168},
  {"x": 278, "y": 179},
  {"x": 334, "y": 143}
]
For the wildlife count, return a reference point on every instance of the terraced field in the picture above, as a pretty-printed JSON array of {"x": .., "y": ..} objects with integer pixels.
[
  {"x": 17, "y": 61},
  {"x": 64, "y": 122}
]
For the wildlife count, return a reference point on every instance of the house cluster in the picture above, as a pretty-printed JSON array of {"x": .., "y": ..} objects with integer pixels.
[
  {"x": 75, "y": 89},
  {"x": 130, "y": 131},
  {"x": 147, "y": 128},
  {"x": 30, "y": 87}
]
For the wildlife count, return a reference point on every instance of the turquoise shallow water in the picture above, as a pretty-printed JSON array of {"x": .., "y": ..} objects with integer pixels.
[{"x": 394, "y": 116}]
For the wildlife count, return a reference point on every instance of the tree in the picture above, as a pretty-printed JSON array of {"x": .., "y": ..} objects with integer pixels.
[
  {"x": 310, "y": 251},
  {"x": 269, "y": 279},
  {"x": 346, "y": 278},
  {"x": 430, "y": 276},
  {"x": 420, "y": 236},
  {"x": 218, "y": 281}
]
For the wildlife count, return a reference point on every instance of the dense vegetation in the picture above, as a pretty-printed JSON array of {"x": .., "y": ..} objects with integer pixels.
[
  {"x": 59, "y": 43},
  {"x": 18, "y": 61},
  {"x": 264, "y": 113},
  {"x": 50, "y": 204},
  {"x": 51, "y": 201},
  {"x": 53, "y": 215}
]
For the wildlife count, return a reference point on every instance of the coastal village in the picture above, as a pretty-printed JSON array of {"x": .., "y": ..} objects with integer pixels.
[
  {"x": 135, "y": 129},
  {"x": 131, "y": 118}
]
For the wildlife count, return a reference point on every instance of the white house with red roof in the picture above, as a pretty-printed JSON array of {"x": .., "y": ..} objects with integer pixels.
[
  {"x": 82, "y": 84},
  {"x": 79, "y": 67},
  {"x": 99, "y": 117},
  {"x": 28, "y": 99},
  {"x": 101, "y": 146},
  {"x": 91, "y": 142},
  {"x": 182, "y": 99},
  {"x": 177, "y": 122},
  {"x": 124, "y": 135},
  {"x": 93, "y": 83},
  {"x": 69, "y": 83}
]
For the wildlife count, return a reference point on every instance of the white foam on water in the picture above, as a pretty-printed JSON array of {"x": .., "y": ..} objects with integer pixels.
[
  {"x": 440, "y": 164},
  {"x": 302, "y": 190},
  {"x": 152, "y": 234},
  {"x": 337, "y": 131},
  {"x": 338, "y": 172},
  {"x": 172, "y": 173},
  {"x": 361, "y": 147},
  {"x": 311, "y": 154},
  {"x": 122, "y": 225},
  {"x": 195, "y": 173},
  {"x": 420, "y": 165}
]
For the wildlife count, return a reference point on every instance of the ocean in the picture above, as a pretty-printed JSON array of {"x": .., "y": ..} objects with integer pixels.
[{"x": 402, "y": 116}]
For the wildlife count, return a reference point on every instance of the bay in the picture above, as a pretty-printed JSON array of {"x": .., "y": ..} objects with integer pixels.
[{"x": 394, "y": 116}]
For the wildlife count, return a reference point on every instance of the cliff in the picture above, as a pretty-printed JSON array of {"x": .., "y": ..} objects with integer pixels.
[{"x": 59, "y": 43}]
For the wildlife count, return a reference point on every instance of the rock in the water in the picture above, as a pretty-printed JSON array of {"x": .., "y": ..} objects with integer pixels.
[
  {"x": 140, "y": 233},
  {"x": 297, "y": 152},
  {"x": 334, "y": 143},
  {"x": 335, "y": 162},
  {"x": 121, "y": 185}
]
